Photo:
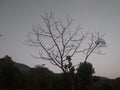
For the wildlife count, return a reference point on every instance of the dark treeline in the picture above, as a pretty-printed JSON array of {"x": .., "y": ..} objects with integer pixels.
[{"x": 15, "y": 76}]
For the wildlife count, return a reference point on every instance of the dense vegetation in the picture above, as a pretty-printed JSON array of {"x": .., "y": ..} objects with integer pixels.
[{"x": 15, "y": 76}]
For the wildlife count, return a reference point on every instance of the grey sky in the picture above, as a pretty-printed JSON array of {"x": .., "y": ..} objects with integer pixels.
[{"x": 18, "y": 16}]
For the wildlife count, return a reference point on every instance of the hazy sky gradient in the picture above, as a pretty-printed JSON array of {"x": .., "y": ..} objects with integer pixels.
[{"x": 18, "y": 16}]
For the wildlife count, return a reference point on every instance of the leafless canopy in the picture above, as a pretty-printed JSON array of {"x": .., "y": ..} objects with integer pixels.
[{"x": 57, "y": 40}]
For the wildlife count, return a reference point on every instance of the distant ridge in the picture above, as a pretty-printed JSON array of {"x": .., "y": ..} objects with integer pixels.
[
  {"x": 26, "y": 68},
  {"x": 20, "y": 66},
  {"x": 104, "y": 78}
]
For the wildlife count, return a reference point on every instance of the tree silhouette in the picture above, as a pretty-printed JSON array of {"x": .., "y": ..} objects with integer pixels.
[
  {"x": 40, "y": 78},
  {"x": 94, "y": 45},
  {"x": 58, "y": 42},
  {"x": 84, "y": 75},
  {"x": 10, "y": 76},
  {"x": 116, "y": 83}
]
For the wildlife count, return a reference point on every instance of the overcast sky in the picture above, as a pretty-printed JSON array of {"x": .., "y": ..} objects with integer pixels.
[{"x": 18, "y": 16}]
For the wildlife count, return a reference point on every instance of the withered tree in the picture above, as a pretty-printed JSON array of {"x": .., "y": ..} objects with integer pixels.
[{"x": 58, "y": 41}]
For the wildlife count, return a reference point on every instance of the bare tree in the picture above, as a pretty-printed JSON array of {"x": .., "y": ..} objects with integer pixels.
[
  {"x": 94, "y": 45},
  {"x": 58, "y": 43}
]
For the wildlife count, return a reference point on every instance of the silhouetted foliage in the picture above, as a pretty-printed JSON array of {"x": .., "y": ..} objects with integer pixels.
[
  {"x": 10, "y": 76},
  {"x": 41, "y": 78},
  {"x": 84, "y": 75},
  {"x": 116, "y": 83}
]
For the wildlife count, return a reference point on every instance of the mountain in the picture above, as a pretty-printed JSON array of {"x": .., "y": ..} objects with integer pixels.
[
  {"x": 104, "y": 78},
  {"x": 21, "y": 67}
]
